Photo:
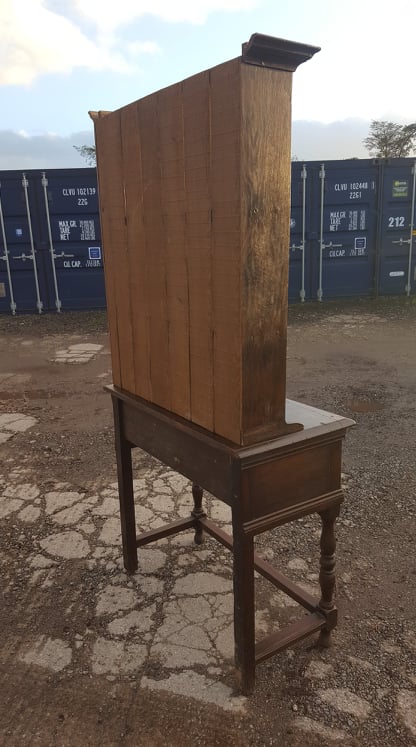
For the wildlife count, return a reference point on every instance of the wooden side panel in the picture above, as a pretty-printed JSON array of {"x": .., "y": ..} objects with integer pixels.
[
  {"x": 136, "y": 241},
  {"x": 197, "y": 145},
  {"x": 265, "y": 164},
  {"x": 112, "y": 207},
  {"x": 226, "y": 250},
  {"x": 173, "y": 222},
  {"x": 157, "y": 308}
]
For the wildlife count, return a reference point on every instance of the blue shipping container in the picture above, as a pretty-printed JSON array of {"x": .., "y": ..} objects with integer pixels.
[
  {"x": 397, "y": 262},
  {"x": 352, "y": 233},
  {"x": 50, "y": 241},
  {"x": 339, "y": 226}
]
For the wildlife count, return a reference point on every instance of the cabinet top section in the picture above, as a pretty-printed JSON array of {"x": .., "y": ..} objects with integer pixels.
[
  {"x": 263, "y": 51},
  {"x": 281, "y": 54},
  {"x": 194, "y": 190}
]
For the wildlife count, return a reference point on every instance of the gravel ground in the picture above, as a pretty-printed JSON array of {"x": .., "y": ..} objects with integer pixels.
[{"x": 92, "y": 656}]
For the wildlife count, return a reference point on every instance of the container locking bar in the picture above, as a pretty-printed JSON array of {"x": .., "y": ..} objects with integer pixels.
[
  {"x": 39, "y": 304},
  {"x": 58, "y": 302},
  {"x": 322, "y": 244},
  {"x": 301, "y": 246},
  {"x": 5, "y": 258}
]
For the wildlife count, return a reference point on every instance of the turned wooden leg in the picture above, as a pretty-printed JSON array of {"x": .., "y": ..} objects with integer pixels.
[
  {"x": 125, "y": 490},
  {"x": 198, "y": 513},
  {"x": 327, "y": 573}
]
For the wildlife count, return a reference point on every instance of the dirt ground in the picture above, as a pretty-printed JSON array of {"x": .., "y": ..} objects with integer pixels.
[{"x": 92, "y": 656}]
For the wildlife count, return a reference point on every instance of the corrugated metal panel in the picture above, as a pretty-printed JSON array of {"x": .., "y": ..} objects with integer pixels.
[
  {"x": 23, "y": 284},
  {"x": 347, "y": 231},
  {"x": 70, "y": 232},
  {"x": 397, "y": 263},
  {"x": 50, "y": 242},
  {"x": 352, "y": 234},
  {"x": 300, "y": 222},
  {"x": 340, "y": 231}
]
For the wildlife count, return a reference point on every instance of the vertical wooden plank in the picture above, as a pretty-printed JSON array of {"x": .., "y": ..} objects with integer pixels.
[
  {"x": 265, "y": 163},
  {"x": 136, "y": 249},
  {"x": 109, "y": 274},
  {"x": 160, "y": 374},
  {"x": 197, "y": 144},
  {"x": 109, "y": 152},
  {"x": 226, "y": 252},
  {"x": 171, "y": 149}
]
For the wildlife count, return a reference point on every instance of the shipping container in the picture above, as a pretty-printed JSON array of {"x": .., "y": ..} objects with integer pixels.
[
  {"x": 70, "y": 232},
  {"x": 333, "y": 229},
  {"x": 50, "y": 241},
  {"x": 397, "y": 260},
  {"x": 23, "y": 283},
  {"x": 352, "y": 234}
]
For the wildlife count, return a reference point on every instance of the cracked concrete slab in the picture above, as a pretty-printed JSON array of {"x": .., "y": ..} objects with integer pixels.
[
  {"x": 117, "y": 657},
  {"x": 137, "y": 620},
  {"x": 319, "y": 670},
  {"x": 71, "y": 515},
  {"x": 113, "y": 599},
  {"x": 406, "y": 703},
  {"x": 67, "y": 545},
  {"x": 29, "y": 514},
  {"x": 25, "y": 491},
  {"x": 9, "y": 506},
  {"x": 111, "y": 532},
  {"x": 176, "y": 610},
  {"x": 347, "y": 702},
  {"x": 14, "y": 422},
  {"x": 189, "y": 682},
  {"x": 59, "y": 500},
  {"x": 196, "y": 627},
  {"x": 202, "y": 583},
  {"x": 50, "y": 653},
  {"x": 310, "y": 726},
  {"x": 79, "y": 353}
]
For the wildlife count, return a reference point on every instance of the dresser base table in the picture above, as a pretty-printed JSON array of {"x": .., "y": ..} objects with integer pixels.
[{"x": 266, "y": 485}]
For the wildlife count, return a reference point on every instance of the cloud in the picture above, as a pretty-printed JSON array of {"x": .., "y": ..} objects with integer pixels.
[
  {"x": 310, "y": 141},
  {"x": 20, "y": 151},
  {"x": 113, "y": 15},
  {"x": 35, "y": 40},
  {"x": 343, "y": 139},
  {"x": 57, "y": 36},
  {"x": 364, "y": 68}
]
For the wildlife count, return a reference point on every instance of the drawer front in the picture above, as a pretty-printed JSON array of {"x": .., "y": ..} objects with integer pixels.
[{"x": 291, "y": 480}]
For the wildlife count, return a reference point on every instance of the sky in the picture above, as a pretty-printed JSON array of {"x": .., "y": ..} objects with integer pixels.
[{"x": 61, "y": 58}]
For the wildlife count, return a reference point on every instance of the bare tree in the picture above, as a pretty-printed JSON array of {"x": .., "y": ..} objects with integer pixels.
[
  {"x": 87, "y": 152},
  {"x": 390, "y": 140}
]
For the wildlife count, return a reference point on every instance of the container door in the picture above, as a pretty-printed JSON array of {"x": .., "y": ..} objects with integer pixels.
[
  {"x": 299, "y": 251},
  {"x": 345, "y": 204},
  {"x": 71, "y": 238},
  {"x": 397, "y": 274},
  {"x": 22, "y": 276}
]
